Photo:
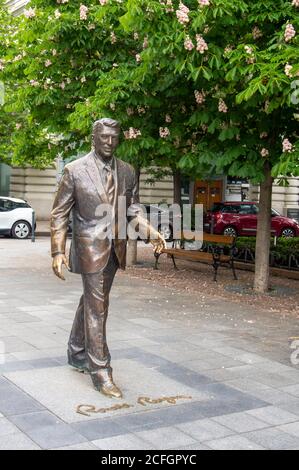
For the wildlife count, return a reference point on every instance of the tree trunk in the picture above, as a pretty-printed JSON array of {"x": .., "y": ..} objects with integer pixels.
[
  {"x": 177, "y": 187},
  {"x": 263, "y": 238},
  {"x": 132, "y": 244}
]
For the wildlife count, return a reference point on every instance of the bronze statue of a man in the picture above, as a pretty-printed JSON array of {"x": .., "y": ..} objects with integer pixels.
[{"x": 95, "y": 180}]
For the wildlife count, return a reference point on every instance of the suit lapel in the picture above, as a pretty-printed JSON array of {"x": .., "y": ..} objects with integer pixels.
[{"x": 94, "y": 175}]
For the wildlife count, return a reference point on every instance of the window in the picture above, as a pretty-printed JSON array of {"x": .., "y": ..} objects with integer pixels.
[
  {"x": 20, "y": 205},
  {"x": 246, "y": 209},
  {"x": 6, "y": 205},
  {"x": 231, "y": 209},
  {"x": 217, "y": 206}
]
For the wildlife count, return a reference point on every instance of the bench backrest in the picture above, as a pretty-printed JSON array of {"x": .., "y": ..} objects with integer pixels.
[
  {"x": 209, "y": 237},
  {"x": 224, "y": 239}
]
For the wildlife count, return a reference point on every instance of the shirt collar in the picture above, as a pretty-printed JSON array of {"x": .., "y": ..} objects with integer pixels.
[{"x": 104, "y": 164}]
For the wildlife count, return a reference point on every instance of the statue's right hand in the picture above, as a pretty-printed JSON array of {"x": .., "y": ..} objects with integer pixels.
[{"x": 58, "y": 261}]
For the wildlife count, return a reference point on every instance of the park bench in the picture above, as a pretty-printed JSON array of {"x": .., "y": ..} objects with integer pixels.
[{"x": 217, "y": 250}]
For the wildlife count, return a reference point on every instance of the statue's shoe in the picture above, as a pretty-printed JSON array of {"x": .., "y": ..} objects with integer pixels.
[
  {"x": 110, "y": 390},
  {"x": 103, "y": 382}
]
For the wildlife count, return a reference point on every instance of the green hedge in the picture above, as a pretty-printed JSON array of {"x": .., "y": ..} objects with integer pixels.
[{"x": 284, "y": 246}]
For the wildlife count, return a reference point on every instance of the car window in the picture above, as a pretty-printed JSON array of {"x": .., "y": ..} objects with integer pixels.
[
  {"x": 6, "y": 205},
  {"x": 245, "y": 209},
  {"x": 230, "y": 209},
  {"x": 21, "y": 205},
  {"x": 217, "y": 207}
]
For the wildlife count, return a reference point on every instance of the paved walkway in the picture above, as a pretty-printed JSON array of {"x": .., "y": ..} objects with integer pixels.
[{"x": 233, "y": 368}]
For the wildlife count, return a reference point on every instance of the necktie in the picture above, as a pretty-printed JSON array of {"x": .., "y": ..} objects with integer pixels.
[{"x": 109, "y": 183}]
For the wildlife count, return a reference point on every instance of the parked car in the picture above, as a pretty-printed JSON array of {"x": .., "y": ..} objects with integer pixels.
[
  {"x": 240, "y": 218},
  {"x": 15, "y": 217}
]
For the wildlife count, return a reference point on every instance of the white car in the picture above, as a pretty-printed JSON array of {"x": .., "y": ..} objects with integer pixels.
[{"x": 15, "y": 217}]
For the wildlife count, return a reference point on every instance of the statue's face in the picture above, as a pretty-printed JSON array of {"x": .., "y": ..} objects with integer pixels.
[{"x": 105, "y": 142}]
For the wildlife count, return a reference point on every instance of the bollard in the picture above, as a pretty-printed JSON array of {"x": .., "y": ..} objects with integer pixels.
[{"x": 33, "y": 227}]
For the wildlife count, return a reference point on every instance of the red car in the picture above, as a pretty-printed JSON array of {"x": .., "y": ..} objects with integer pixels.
[{"x": 240, "y": 218}]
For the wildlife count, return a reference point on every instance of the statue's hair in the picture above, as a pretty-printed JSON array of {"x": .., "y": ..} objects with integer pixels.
[{"x": 104, "y": 122}]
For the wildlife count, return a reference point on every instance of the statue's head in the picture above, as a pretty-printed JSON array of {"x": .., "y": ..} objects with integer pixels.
[{"x": 105, "y": 137}]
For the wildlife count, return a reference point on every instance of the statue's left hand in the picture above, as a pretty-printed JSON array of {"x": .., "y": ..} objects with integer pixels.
[
  {"x": 58, "y": 261},
  {"x": 158, "y": 243}
]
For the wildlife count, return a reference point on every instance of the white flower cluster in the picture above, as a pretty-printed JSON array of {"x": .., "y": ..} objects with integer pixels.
[
  {"x": 287, "y": 147},
  {"x": 113, "y": 38},
  {"x": 263, "y": 135},
  {"x": 30, "y": 13},
  {"x": 256, "y": 33},
  {"x": 188, "y": 44},
  {"x": 164, "y": 132},
  {"x": 168, "y": 4},
  {"x": 83, "y": 12},
  {"x": 264, "y": 152},
  {"x": 200, "y": 96},
  {"x": 288, "y": 69},
  {"x": 289, "y": 33},
  {"x": 132, "y": 133},
  {"x": 222, "y": 108},
  {"x": 141, "y": 110},
  {"x": 182, "y": 14},
  {"x": 201, "y": 45}
]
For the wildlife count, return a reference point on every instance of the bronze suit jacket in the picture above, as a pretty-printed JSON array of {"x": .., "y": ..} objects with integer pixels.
[{"x": 81, "y": 191}]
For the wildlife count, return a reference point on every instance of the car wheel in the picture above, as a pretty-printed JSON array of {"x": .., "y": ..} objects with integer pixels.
[
  {"x": 166, "y": 231},
  {"x": 230, "y": 231},
  {"x": 288, "y": 232},
  {"x": 21, "y": 230}
]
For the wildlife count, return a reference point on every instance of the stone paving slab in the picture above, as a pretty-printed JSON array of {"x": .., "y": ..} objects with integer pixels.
[
  {"x": 17, "y": 441},
  {"x": 234, "y": 443},
  {"x": 62, "y": 389}
]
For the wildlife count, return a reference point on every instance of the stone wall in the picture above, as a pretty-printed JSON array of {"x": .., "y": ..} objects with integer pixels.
[
  {"x": 35, "y": 186},
  {"x": 283, "y": 198},
  {"x": 159, "y": 192}
]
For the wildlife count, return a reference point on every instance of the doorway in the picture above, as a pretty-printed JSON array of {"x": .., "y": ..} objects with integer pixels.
[{"x": 207, "y": 192}]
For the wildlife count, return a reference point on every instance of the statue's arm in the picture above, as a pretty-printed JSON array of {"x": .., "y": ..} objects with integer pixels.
[{"x": 62, "y": 207}]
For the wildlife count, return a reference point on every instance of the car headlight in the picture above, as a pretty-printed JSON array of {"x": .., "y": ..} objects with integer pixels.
[{"x": 295, "y": 221}]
